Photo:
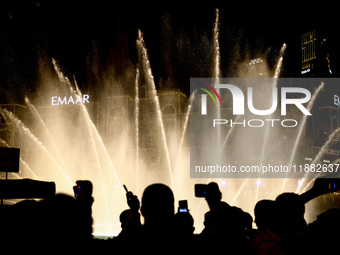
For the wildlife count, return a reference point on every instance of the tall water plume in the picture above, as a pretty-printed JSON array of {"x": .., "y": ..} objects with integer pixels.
[{"x": 144, "y": 59}]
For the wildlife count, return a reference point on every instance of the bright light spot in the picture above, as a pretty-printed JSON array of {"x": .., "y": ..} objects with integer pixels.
[
  {"x": 223, "y": 184},
  {"x": 258, "y": 183}
]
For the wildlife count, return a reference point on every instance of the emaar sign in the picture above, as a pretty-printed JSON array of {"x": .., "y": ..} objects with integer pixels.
[{"x": 70, "y": 100}]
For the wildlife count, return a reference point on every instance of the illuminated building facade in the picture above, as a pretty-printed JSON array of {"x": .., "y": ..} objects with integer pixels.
[
  {"x": 115, "y": 119},
  {"x": 258, "y": 68},
  {"x": 315, "y": 58}
]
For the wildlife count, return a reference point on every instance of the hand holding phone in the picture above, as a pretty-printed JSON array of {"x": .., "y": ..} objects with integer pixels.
[
  {"x": 132, "y": 200},
  {"x": 321, "y": 186},
  {"x": 326, "y": 185},
  {"x": 83, "y": 189},
  {"x": 83, "y": 193}
]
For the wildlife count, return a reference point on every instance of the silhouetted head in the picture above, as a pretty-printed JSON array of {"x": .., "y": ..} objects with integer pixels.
[
  {"x": 248, "y": 220},
  {"x": 60, "y": 218},
  {"x": 291, "y": 204},
  {"x": 26, "y": 221},
  {"x": 214, "y": 195},
  {"x": 265, "y": 211},
  {"x": 323, "y": 234},
  {"x": 129, "y": 219},
  {"x": 290, "y": 211},
  {"x": 123, "y": 217},
  {"x": 157, "y": 204}
]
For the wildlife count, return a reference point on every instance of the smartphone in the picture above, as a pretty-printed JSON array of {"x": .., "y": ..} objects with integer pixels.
[
  {"x": 76, "y": 190},
  {"x": 183, "y": 206},
  {"x": 83, "y": 187},
  {"x": 129, "y": 194},
  {"x": 201, "y": 190},
  {"x": 334, "y": 185}
]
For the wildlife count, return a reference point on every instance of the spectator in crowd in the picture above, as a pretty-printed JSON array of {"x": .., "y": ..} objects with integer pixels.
[{"x": 224, "y": 225}]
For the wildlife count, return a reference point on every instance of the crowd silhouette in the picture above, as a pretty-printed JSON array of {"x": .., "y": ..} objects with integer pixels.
[{"x": 63, "y": 223}]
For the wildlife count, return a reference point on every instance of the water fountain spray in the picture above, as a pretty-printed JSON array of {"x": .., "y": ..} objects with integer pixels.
[
  {"x": 22, "y": 127},
  {"x": 43, "y": 124},
  {"x": 150, "y": 81},
  {"x": 302, "y": 126},
  {"x": 137, "y": 125}
]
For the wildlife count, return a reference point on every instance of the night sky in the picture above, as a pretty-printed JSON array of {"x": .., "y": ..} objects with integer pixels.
[{"x": 82, "y": 34}]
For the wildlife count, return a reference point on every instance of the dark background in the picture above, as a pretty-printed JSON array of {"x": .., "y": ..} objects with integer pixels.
[{"x": 87, "y": 37}]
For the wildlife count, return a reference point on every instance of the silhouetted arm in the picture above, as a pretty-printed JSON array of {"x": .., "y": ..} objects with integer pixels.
[{"x": 321, "y": 186}]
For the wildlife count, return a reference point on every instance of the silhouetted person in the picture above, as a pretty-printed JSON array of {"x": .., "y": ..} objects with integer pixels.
[
  {"x": 23, "y": 232},
  {"x": 265, "y": 212},
  {"x": 223, "y": 225},
  {"x": 130, "y": 223},
  {"x": 185, "y": 238},
  {"x": 291, "y": 222},
  {"x": 84, "y": 201},
  {"x": 248, "y": 225},
  {"x": 291, "y": 210},
  {"x": 215, "y": 219},
  {"x": 157, "y": 209},
  {"x": 214, "y": 197},
  {"x": 184, "y": 225},
  {"x": 281, "y": 232},
  {"x": 323, "y": 235},
  {"x": 266, "y": 239},
  {"x": 64, "y": 225},
  {"x": 123, "y": 218},
  {"x": 156, "y": 234},
  {"x": 130, "y": 218},
  {"x": 284, "y": 231}
]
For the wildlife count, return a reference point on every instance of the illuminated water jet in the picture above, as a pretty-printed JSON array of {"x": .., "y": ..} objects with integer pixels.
[
  {"x": 23, "y": 128},
  {"x": 150, "y": 80},
  {"x": 41, "y": 121},
  {"x": 21, "y": 161},
  {"x": 326, "y": 145},
  {"x": 302, "y": 126},
  {"x": 279, "y": 62},
  {"x": 303, "y": 122},
  {"x": 216, "y": 46},
  {"x": 137, "y": 126}
]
